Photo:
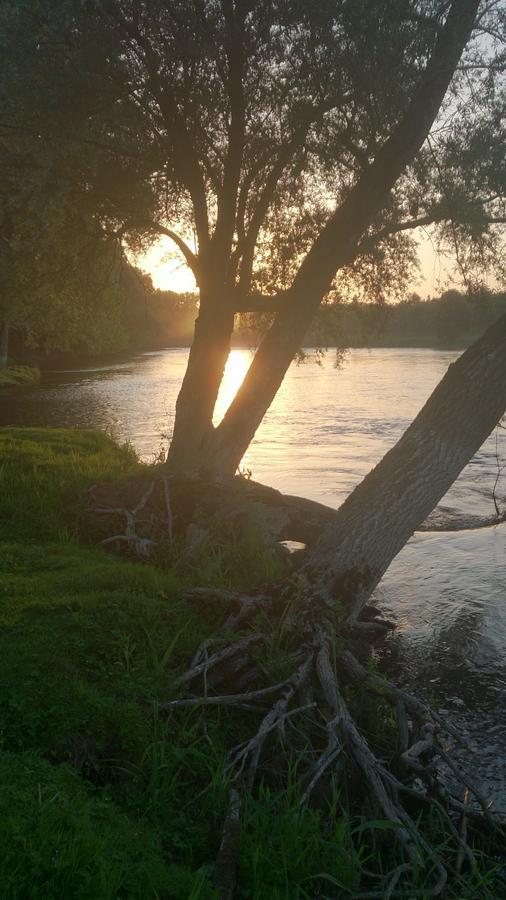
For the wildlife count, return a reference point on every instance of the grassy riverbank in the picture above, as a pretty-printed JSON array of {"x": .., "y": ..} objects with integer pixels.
[
  {"x": 17, "y": 375},
  {"x": 102, "y": 795}
]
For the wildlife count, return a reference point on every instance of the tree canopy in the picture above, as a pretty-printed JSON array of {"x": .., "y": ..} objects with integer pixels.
[{"x": 242, "y": 125}]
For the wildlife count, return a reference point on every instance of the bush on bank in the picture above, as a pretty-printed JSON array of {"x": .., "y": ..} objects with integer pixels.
[{"x": 18, "y": 375}]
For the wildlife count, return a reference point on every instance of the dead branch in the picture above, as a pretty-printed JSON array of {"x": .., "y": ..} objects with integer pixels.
[{"x": 325, "y": 714}]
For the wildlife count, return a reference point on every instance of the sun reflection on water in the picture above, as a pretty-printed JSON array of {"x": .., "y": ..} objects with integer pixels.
[{"x": 237, "y": 365}]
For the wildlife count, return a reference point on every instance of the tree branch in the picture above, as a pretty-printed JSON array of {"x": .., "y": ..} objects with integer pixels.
[
  {"x": 191, "y": 258},
  {"x": 285, "y": 155},
  {"x": 430, "y": 219},
  {"x": 234, "y": 84},
  {"x": 372, "y": 239},
  {"x": 371, "y": 191},
  {"x": 174, "y": 121}
]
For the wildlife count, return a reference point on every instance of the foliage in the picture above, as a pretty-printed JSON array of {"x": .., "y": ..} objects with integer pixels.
[
  {"x": 62, "y": 266},
  {"x": 120, "y": 106},
  {"x": 452, "y": 320},
  {"x": 60, "y": 275},
  {"x": 18, "y": 375}
]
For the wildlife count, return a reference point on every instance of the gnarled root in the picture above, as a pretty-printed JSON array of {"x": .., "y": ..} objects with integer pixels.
[
  {"x": 128, "y": 516},
  {"x": 136, "y": 545},
  {"x": 309, "y": 713}
]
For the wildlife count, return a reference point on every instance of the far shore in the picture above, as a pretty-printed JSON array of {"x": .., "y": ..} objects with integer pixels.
[{"x": 63, "y": 360}]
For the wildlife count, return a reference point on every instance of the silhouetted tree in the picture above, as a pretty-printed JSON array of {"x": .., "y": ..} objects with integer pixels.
[{"x": 286, "y": 149}]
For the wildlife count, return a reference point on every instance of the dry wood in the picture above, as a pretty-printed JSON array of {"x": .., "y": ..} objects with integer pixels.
[
  {"x": 325, "y": 713},
  {"x": 221, "y": 656}
]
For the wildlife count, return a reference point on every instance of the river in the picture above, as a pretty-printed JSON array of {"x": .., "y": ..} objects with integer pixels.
[{"x": 326, "y": 428}]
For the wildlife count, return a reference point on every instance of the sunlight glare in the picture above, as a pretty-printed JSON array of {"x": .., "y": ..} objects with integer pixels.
[
  {"x": 238, "y": 363},
  {"x": 168, "y": 272}
]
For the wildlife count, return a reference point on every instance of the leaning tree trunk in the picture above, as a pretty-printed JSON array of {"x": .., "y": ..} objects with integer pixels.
[
  {"x": 377, "y": 519},
  {"x": 300, "y": 617},
  {"x": 4, "y": 343},
  {"x": 218, "y": 451},
  {"x": 335, "y": 247}
]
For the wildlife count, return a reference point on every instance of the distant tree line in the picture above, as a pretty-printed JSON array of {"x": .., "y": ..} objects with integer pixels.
[
  {"x": 452, "y": 320},
  {"x": 127, "y": 313}
]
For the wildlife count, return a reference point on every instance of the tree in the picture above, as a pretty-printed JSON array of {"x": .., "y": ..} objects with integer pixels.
[
  {"x": 301, "y": 144},
  {"x": 62, "y": 266},
  {"x": 61, "y": 281},
  {"x": 296, "y": 142}
]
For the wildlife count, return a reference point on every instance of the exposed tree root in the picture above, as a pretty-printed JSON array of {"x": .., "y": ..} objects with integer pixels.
[
  {"x": 137, "y": 545},
  {"x": 125, "y": 513},
  {"x": 309, "y": 712},
  {"x": 138, "y": 516}
]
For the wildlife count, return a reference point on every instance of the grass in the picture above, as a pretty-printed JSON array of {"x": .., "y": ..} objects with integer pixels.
[
  {"x": 103, "y": 796},
  {"x": 17, "y": 375}
]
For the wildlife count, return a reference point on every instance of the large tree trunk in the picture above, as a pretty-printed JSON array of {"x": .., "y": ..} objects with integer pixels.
[
  {"x": 4, "y": 343},
  {"x": 351, "y": 548},
  {"x": 377, "y": 519}
]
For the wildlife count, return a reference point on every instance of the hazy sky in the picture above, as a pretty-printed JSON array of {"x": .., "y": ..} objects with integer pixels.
[{"x": 169, "y": 273}]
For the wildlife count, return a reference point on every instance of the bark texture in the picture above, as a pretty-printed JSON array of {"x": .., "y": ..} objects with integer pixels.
[
  {"x": 4, "y": 343},
  {"x": 377, "y": 519},
  {"x": 306, "y": 712}
]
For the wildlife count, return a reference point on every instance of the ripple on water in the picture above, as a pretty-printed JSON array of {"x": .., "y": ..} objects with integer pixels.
[{"x": 448, "y": 591}]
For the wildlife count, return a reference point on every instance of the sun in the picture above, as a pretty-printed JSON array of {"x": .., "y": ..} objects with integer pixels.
[{"x": 168, "y": 272}]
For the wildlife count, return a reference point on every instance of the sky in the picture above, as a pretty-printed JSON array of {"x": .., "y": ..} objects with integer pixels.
[
  {"x": 170, "y": 273},
  {"x": 168, "y": 270}
]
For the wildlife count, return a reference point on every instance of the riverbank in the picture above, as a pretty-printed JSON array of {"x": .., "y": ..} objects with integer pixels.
[
  {"x": 13, "y": 376},
  {"x": 104, "y": 796}
]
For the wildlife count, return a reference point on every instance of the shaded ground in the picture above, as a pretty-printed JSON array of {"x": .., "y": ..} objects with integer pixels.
[{"x": 103, "y": 796}]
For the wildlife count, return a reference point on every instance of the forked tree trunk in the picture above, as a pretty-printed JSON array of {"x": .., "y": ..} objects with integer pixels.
[
  {"x": 378, "y": 518},
  {"x": 4, "y": 343},
  {"x": 197, "y": 397}
]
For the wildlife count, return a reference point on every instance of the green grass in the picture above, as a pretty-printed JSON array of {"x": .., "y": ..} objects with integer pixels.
[
  {"x": 16, "y": 375},
  {"x": 89, "y": 646},
  {"x": 59, "y": 840},
  {"x": 103, "y": 796}
]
